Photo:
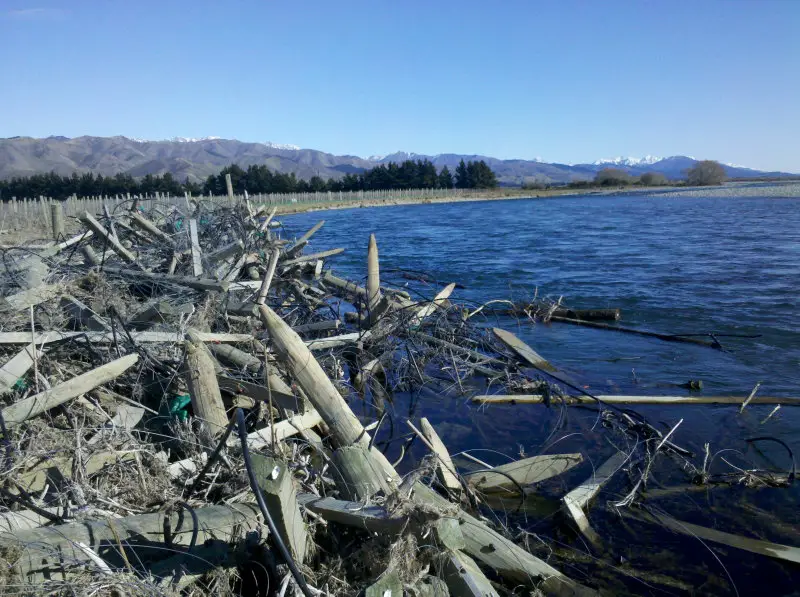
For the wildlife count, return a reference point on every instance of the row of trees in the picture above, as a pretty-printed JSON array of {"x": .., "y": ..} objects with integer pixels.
[
  {"x": 60, "y": 187},
  {"x": 411, "y": 174},
  {"x": 704, "y": 173}
]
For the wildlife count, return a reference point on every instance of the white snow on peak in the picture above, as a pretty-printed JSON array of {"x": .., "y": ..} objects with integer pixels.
[
  {"x": 285, "y": 146},
  {"x": 193, "y": 139},
  {"x": 375, "y": 158},
  {"x": 622, "y": 161}
]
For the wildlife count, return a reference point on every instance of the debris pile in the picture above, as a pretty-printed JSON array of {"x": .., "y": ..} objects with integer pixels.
[{"x": 176, "y": 418}]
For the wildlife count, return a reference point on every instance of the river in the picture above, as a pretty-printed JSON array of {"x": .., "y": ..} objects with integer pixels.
[{"x": 673, "y": 265}]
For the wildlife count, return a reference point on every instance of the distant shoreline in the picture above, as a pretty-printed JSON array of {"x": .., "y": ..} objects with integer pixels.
[{"x": 749, "y": 189}]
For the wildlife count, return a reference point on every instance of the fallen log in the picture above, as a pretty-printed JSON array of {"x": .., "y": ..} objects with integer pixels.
[
  {"x": 209, "y": 285},
  {"x": 616, "y": 328},
  {"x": 45, "y": 551},
  {"x": 113, "y": 243},
  {"x": 43, "y": 338},
  {"x": 312, "y": 257},
  {"x": 35, "y": 405},
  {"x": 201, "y": 378},
  {"x": 445, "y": 470}
]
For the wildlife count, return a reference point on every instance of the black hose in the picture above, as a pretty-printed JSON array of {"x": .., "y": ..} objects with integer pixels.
[
  {"x": 507, "y": 476},
  {"x": 793, "y": 474},
  {"x": 248, "y": 464},
  {"x": 213, "y": 458}
]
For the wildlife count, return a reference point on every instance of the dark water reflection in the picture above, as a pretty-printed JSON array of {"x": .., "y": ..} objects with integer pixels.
[{"x": 687, "y": 265}]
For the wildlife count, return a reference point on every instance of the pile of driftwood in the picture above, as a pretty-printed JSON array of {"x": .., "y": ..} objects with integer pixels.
[{"x": 177, "y": 388}]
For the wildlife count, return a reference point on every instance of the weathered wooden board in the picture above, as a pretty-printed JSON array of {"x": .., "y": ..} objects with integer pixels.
[{"x": 525, "y": 472}]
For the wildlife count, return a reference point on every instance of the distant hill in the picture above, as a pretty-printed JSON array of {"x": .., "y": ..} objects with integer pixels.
[{"x": 197, "y": 158}]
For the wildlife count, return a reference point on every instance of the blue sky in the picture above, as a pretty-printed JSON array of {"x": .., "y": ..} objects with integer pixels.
[{"x": 564, "y": 81}]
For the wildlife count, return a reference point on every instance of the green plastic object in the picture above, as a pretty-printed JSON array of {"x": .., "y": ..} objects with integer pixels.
[{"x": 177, "y": 406}]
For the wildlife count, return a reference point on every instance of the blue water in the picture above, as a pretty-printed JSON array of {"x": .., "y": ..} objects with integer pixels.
[{"x": 674, "y": 266}]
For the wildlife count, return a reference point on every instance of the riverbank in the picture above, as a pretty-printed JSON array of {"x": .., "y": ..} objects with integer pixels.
[{"x": 749, "y": 189}]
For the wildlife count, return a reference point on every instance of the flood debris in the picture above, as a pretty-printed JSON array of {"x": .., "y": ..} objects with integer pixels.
[{"x": 181, "y": 380}]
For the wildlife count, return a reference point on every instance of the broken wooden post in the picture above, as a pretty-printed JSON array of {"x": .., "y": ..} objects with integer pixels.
[
  {"x": 445, "y": 470},
  {"x": 35, "y": 405},
  {"x": 18, "y": 366},
  {"x": 229, "y": 186},
  {"x": 264, "y": 290},
  {"x": 373, "y": 274},
  {"x": 312, "y": 257},
  {"x": 429, "y": 308},
  {"x": 275, "y": 480},
  {"x": 197, "y": 260},
  {"x": 113, "y": 243},
  {"x": 57, "y": 217},
  {"x": 527, "y": 471},
  {"x": 345, "y": 428},
  {"x": 90, "y": 256},
  {"x": 576, "y": 500},
  {"x": 463, "y": 576},
  {"x": 525, "y": 352},
  {"x": 148, "y": 226},
  {"x": 201, "y": 377}
]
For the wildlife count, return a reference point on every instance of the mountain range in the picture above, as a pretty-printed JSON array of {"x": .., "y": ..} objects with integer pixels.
[{"x": 195, "y": 159}]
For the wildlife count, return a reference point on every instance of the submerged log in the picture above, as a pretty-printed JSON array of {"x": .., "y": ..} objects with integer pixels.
[
  {"x": 616, "y": 328},
  {"x": 614, "y": 399},
  {"x": 525, "y": 352},
  {"x": 576, "y": 500}
]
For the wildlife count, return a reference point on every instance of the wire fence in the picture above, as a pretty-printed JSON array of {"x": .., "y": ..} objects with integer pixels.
[{"x": 36, "y": 214}]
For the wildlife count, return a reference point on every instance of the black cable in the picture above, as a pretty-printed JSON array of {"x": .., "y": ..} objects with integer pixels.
[
  {"x": 507, "y": 476},
  {"x": 213, "y": 458},
  {"x": 30, "y": 505},
  {"x": 793, "y": 474},
  {"x": 248, "y": 464}
]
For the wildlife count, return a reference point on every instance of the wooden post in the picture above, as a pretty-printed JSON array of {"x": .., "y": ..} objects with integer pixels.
[
  {"x": 445, "y": 470},
  {"x": 373, "y": 274},
  {"x": 346, "y": 430},
  {"x": 262, "y": 292},
  {"x": 100, "y": 230},
  {"x": 229, "y": 186},
  {"x": 201, "y": 377},
  {"x": 275, "y": 479},
  {"x": 197, "y": 261},
  {"x": 57, "y": 217},
  {"x": 89, "y": 255}
]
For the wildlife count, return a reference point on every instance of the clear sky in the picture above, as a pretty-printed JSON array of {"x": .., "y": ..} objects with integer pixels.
[{"x": 565, "y": 81}]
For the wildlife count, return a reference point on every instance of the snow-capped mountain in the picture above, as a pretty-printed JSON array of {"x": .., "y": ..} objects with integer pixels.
[
  {"x": 270, "y": 144},
  {"x": 284, "y": 146},
  {"x": 622, "y": 161}
]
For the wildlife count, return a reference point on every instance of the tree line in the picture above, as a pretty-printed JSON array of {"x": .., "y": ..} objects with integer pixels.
[
  {"x": 410, "y": 174},
  {"x": 703, "y": 173}
]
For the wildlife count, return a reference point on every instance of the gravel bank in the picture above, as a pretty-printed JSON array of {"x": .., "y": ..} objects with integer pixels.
[{"x": 781, "y": 189}]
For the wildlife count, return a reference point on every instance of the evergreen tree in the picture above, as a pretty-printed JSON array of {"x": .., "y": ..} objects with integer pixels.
[
  {"x": 462, "y": 176},
  {"x": 445, "y": 178}
]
